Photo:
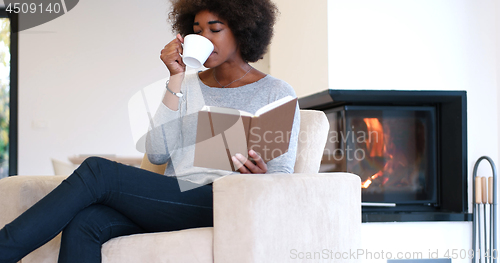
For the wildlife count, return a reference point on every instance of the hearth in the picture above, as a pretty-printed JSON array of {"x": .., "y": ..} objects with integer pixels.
[{"x": 408, "y": 147}]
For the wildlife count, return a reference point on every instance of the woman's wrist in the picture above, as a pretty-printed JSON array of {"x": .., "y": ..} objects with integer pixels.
[
  {"x": 174, "y": 85},
  {"x": 175, "y": 82}
]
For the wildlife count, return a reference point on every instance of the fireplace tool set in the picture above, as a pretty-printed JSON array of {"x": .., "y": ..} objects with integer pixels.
[{"x": 485, "y": 194}]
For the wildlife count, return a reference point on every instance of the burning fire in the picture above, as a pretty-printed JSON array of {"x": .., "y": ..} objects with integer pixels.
[
  {"x": 378, "y": 174},
  {"x": 375, "y": 146},
  {"x": 398, "y": 153}
]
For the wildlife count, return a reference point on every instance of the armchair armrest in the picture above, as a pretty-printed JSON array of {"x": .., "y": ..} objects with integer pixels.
[
  {"x": 18, "y": 193},
  {"x": 282, "y": 217}
]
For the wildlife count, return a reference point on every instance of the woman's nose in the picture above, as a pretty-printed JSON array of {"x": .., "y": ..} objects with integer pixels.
[{"x": 206, "y": 34}]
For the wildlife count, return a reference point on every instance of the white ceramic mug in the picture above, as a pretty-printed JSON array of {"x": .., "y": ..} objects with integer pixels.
[{"x": 196, "y": 50}]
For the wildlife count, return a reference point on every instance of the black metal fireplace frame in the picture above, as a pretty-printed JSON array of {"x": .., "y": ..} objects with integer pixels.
[{"x": 451, "y": 117}]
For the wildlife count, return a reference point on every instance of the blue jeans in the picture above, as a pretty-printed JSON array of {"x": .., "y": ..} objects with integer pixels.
[{"x": 101, "y": 200}]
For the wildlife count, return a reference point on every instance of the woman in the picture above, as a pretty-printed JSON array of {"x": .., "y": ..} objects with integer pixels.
[{"x": 104, "y": 199}]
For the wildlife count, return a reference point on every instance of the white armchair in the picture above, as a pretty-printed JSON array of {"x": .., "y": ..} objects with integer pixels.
[{"x": 257, "y": 218}]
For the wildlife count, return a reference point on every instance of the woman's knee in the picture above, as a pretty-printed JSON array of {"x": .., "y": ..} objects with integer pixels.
[
  {"x": 95, "y": 163},
  {"x": 95, "y": 174},
  {"x": 96, "y": 168}
]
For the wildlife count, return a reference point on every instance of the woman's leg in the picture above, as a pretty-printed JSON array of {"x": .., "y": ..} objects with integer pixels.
[
  {"x": 152, "y": 201},
  {"x": 83, "y": 237}
]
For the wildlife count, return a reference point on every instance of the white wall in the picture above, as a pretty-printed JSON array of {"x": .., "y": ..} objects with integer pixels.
[
  {"x": 76, "y": 75},
  {"x": 299, "y": 50},
  {"x": 420, "y": 45},
  {"x": 498, "y": 71}
]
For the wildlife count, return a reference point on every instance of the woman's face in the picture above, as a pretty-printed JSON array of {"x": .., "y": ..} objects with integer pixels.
[{"x": 216, "y": 30}]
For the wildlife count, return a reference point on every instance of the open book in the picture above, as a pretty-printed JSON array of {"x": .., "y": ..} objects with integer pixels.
[{"x": 224, "y": 132}]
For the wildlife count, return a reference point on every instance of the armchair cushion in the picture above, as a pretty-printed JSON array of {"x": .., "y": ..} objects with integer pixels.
[{"x": 186, "y": 246}]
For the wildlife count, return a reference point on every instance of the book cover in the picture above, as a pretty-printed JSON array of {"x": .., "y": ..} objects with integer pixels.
[{"x": 223, "y": 132}]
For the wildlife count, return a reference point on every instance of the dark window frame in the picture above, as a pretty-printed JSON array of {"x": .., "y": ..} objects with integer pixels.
[{"x": 13, "y": 123}]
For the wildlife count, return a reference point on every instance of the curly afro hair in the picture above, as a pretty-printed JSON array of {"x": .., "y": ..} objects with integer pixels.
[{"x": 251, "y": 21}]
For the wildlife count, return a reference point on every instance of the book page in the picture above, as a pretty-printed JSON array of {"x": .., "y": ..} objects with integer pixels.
[
  {"x": 236, "y": 139},
  {"x": 270, "y": 132},
  {"x": 212, "y": 153},
  {"x": 273, "y": 105},
  {"x": 225, "y": 111},
  {"x": 218, "y": 137}
]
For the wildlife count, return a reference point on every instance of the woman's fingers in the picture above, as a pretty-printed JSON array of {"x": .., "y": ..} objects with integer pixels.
[
  {"x": 239, "y": 165},
  {"x": 258, "y": 160},
  {"x": 170, "y": 55},
  {"x": 244, "y": 165},
  {"x": 179, "y": 46},
  {"x": 181, "y": 39}
]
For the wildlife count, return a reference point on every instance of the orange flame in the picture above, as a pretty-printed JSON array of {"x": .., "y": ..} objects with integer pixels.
[
  {"x": 375, "y": 146},
  {"x": 369, "y": 181}
]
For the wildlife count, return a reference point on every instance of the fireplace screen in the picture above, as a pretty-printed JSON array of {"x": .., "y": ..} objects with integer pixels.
[{"x": 392, "y": 149}]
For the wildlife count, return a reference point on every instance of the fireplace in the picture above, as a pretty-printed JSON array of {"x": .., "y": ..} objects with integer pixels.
[
  {"x": 408, "y": 147},
  {"x": 392, "y": 149}
]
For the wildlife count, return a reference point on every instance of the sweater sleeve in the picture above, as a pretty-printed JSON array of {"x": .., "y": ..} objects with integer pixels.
[
  {"x": 285, "y": 163},
  {"x": 164, "y": 134}
]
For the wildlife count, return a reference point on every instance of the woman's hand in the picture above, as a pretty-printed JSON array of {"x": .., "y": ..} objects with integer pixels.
[
  {"x": 170, "y": 55},
  {"x": 246, "y": 166}
]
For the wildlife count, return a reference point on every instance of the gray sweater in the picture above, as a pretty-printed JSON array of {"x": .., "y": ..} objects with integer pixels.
[{"x": 173, "y": 135}]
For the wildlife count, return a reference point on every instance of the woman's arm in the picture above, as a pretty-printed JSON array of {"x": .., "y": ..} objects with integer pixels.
[
  {"x": 166, "y": 123},
  {"x": 170, "y": 55}
]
